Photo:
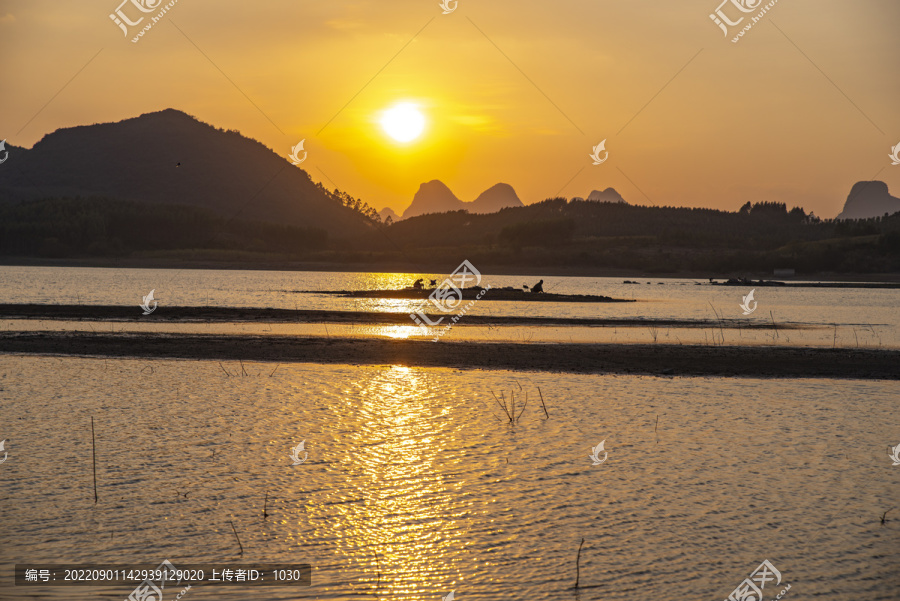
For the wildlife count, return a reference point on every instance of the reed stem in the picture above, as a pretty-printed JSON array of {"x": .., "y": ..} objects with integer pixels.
[
  {"x": 578, "y": 564},
  {"x": 656, "y": 429},
  {"x": 542, "y": 403},
  {"x": 94, "y": 455},
  {"x": 237, "y": 537}
]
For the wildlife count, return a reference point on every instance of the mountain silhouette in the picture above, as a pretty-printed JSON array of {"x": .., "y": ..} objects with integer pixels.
[
  {"x": 499, "y": 196},
  {"x": 869, "y": 199},
  {"x": 436, "y": 197},
  {"x": 170, "y": 157},
  {"x": 608, "y": 195},
  {"x": 433, "y": 197},
  {"x": 388, "y": 212}
]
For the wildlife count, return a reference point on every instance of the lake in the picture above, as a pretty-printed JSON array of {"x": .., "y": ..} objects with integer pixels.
[
  {"x": 831, "y": 317},
  {"x": 416, "y": 483}
]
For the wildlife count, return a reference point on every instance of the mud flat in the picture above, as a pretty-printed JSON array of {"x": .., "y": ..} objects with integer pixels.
[
  {"x": 674, "y": 360},
  {"x": 173, "y": 314},
  {"x": 493, "y": 294},
  {"x": 769, "y": 283}
]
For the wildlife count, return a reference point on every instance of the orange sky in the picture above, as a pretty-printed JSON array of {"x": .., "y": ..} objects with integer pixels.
[{"x": 516, "y": 92}]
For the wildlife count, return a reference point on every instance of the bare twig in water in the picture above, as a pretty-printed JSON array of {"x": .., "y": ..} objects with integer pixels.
[
  {"x": 502, "y": 405},
  {"x": 266, "y": 506},
  {"x": 653, "y": 332},
  {"x": 885, "y": 513},
  {"x": 274, "y": 370},
  {"x": 237, "y": 537},
  {"x": 874, "y": 334},
  {"x": 721, "y": 330},
  {"x": 243, "y": 371},
  {"x": 656, "y": 429},
  {"x": 513, "y": 414},
  {"x": 578, "y": 564},
  {"x": 523, "y": 407},
  {"x": 225, "y": 370},
  {"x": 378, "y": 571},
  {"x": 857, "y": 337},
  {"x": 773, "y": 324},
  {"x": 542, "y": 403},
  {"x": 94, "y": 456},
  {"x": 834, "y": 341}
]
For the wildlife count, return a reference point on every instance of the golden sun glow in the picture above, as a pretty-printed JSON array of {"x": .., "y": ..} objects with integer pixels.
[{"x": 403, "y": 122}]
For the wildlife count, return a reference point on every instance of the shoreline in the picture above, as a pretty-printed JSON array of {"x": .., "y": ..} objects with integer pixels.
[
  {"x": 177, "y": 314},
  {"x": 625, "y": 359},
  {"x": 427, "y": 267}
]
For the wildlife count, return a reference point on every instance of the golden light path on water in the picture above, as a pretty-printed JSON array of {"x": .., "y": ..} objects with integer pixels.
[
  {"x": 406, "y": 520},
  {"x": 416, "y": 484}
]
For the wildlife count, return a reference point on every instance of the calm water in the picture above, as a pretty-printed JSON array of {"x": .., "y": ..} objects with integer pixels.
[
  {"x": 838, "y": 317},
  {"x": 417, "y": 466},
  {"x": 417, "y": 475}
]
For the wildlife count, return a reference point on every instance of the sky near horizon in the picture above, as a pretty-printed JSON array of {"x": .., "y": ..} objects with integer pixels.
[{"x": 804, "y": 105}]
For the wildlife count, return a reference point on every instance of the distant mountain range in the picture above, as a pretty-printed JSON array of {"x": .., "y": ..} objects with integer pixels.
[
  {"x": 608, "y": 195},
  {"x": 169, "y": 157},
  {"x": 388, "y": 212},
  {"x": 436, "y": 197},
  {"x": 869, "y": 199}
]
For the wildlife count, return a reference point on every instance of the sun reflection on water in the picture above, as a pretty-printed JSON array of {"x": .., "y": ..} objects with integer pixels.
[{"x": 407, "y": 514}]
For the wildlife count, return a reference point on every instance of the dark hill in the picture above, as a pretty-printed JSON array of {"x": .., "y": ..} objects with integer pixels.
[
  {"x": 760, "y": 237},
  {"x": 498, "y": 196},
  {"x": 168, "y": 157},
  {"x": 433, "y": 197},
  {"x": 436, "y": 197},
  {"x": 869, "y": 199}
]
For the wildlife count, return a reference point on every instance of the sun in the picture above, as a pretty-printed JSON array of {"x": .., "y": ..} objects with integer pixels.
[{"x": 403, "y": 122}]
